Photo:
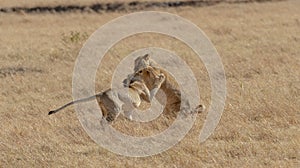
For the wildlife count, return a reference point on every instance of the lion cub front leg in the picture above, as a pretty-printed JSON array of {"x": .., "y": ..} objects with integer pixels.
[
  {"x": 157, "y": 84},
  {"x": 128, "y": 114}
]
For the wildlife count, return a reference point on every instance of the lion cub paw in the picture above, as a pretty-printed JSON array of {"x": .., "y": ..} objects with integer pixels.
[{"x": 161, "y": 78}]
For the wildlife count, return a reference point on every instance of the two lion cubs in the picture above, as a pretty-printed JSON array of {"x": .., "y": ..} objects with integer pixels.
[{"x": 140, "y": 86}]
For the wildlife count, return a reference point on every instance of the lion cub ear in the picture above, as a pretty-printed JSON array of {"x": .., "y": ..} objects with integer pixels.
[{"x": 146, "y": 57}]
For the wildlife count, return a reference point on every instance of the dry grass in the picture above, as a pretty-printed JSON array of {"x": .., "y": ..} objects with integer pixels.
[{"x": 258, "y": 44}]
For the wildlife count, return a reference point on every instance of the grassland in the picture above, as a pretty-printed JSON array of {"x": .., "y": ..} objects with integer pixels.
[{"x": 259, "y": 47}]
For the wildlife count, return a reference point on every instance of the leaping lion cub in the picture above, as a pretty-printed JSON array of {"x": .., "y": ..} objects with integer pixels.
[
  {"x": 123, "y": 100},
  {"x": 169, "y": 85}
]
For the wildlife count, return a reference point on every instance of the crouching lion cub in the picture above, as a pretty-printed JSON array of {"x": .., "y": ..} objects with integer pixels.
[{"x": 143, "y": 65}]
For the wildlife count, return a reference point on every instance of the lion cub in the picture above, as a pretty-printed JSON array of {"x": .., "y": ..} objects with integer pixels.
[
  {"x": 169, "y": 86},
  {"x": 123, "y": 100}
]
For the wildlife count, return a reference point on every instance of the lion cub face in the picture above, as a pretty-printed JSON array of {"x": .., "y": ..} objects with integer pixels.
[
  {"x": 149, "y": 75},
  {"x": 142, "y": 91}
]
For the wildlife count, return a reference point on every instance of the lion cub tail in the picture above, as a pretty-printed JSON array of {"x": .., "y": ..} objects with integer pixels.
[{"x": 74, "y": 102}]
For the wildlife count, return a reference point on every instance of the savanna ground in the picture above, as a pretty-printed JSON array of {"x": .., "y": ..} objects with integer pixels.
[{"x": 258, "y": 44}]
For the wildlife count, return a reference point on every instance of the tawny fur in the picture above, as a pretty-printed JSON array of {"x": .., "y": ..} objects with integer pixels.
[
  {"x": 170, "y": 87},
  {"x": 115, "y": 101}
]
